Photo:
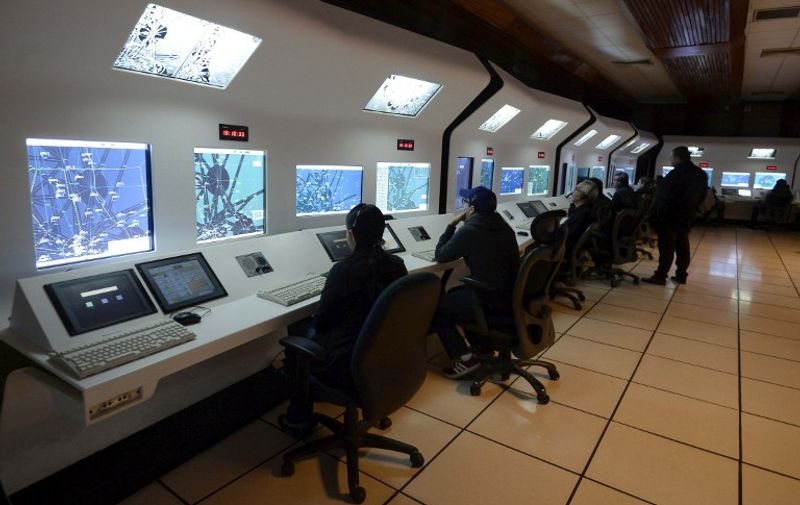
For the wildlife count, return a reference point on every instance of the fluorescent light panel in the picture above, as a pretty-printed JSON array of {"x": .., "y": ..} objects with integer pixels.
[
  {"x": 762, "y": 153},
  {"x": 641, "y": 147},
  {"x": 168, "y": 43},
  {"x": 608, "y": 142},
  {"x": 586, "y": 136},
  {"x": 402, "y": 96},
  {"x": 696, "y": 152},
  {"x": 547, "y": 130},
  {"x": 499, "y": 118}
]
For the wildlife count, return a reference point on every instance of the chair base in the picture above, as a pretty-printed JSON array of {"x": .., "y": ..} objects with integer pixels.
[
  {"x": 575, "y": 295},
  {"x": 613, "y": 275},
  {"x": 350, "y": 436},
  {"x": 644, "y": 252},
  {"x": 504, "y": 366}
]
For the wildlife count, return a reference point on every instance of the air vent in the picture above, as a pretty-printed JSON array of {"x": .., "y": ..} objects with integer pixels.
[
  {"x": 782, "y": 13},
  {"x": 780, "y": 51},
  {"x": 633, "y": 62}
]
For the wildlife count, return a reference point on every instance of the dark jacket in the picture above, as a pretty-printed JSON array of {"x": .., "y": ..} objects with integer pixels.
[
  {"x": 679, "y": 195},
  {"x": 344, "y": 305},
  {"x": 489, "y": 248},
  {"x": 624, "y": 198},
  {"x": 578, "y": 219},
  {"x": 781, "y": 196}
]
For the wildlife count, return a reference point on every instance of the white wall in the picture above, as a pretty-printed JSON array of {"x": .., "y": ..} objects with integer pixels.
[{"x": 301, "y": 93}]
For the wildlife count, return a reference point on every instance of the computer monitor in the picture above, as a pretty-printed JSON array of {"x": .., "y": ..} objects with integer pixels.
[
  {"x": 511, "y": 180},
  {"x": 735, "y": 180},
  {"x": 583, "y": 174},
  {"x": 402, "y": 186},
  {"x": 391, "y": 244},
  {"x": 744, "y": 192},
  {"x": 709, "y": 175},
  {"x": 335, "y": 243},
  {"x": 666, "y": 170},
  {"x": 463, "y": 179},
  {"x": 527, "y": 209},
  {"x": 327, "y": 189},
  {"x": 95, "y": 302},
  {"x": 599, "y": 172},
  {"x": 181, "y": 281},
  {"x": 767, "y": 180},
  {"x": 539, "y": 206},
  {"x": 487, "y": 173}
]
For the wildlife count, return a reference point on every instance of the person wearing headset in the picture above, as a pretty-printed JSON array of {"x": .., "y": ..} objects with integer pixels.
[{"x": 352, "y": 287}]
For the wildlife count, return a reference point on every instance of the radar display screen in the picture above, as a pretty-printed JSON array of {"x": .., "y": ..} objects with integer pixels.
[
  {"x": 402, "y": 187},
  {"x": 767, "y": 180},
  {"x": 325, "y": 189},
  {"x": 463, "y": 179},
  {"x": 487, "y": 173},
  {"x": 511, "y": 180},
  {"x": 735, "y": 179}
]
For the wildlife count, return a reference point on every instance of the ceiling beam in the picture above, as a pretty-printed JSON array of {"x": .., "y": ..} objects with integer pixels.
[
  {"x": 738, "y": 25},
  {"x": 678, "y": 52}
]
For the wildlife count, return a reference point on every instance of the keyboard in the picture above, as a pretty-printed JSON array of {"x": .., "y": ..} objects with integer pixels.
[
  {"x": 295, "y": 292},
  {"x": 121, "y": 348},
  {"x": 525, "y": 226},
  {"x": 426, "y": 255}
]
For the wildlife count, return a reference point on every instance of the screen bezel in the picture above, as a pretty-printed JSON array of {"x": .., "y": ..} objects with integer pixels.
[
  {"x": 400, "y": 247},
  {"x": 166, "y": 307},
  {"x": 321, "y": 237},
  {"x": 71, "y": 324}
]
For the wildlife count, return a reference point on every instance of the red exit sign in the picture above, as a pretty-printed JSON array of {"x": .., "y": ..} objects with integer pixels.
[
  {"x": 405, "y": 145},
  {"x": 703, "y": 164},
  {"x": 490, "y": 151},
  {"x": 540, "y": 155},
  {"x": 772, "y": 167}
]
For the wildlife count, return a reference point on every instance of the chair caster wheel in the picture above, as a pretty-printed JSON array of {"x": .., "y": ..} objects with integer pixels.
[
  {"x": 554, "y": 375},
  {"x": 582, "y": 297},
  {"x": 474, "y": 390},
  {"x": 417, "y": 460},
  {"x": 385, "y": 423},
  {"x": 287, "y": 469},
  {"x": 543, "y": 398},
  {"x": 358, "y": 494},
  {"x": 505, "y": 377},
  {"x": 577, "y": 306}
]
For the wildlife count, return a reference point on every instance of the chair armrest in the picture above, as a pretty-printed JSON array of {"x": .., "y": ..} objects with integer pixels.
[
  {"x": 477, "y": 285},
  {"x": 306, "y": 347}
]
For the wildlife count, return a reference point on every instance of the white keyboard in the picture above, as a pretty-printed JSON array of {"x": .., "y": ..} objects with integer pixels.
[
  {"x": 426, "y": 255},
  {"x": 295, "y": 292},
  {"x": 122, "y": 348}
]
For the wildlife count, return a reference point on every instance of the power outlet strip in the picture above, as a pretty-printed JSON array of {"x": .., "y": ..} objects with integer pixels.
[{"x": 114, "y": 403}]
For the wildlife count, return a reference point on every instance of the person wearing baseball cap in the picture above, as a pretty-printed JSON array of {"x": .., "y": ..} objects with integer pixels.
[{"x": 489, "y": 248}]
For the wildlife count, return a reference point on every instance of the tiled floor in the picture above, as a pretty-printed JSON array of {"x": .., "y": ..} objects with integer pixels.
[{"x": 668, "y": 395}]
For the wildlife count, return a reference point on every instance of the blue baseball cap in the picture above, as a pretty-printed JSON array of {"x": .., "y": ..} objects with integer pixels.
[{"x": 480, "y": 197}]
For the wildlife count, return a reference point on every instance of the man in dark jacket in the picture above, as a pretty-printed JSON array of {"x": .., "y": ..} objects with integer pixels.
[
  {"x": 676, "y": 202},
  {"x": 780, "y": 196},
  {"x": 489, "y": 248},
  {"x": 624, "y": 196}
]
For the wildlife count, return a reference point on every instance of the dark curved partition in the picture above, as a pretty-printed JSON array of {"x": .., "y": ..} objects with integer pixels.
[{"x": 558, "y": 187}]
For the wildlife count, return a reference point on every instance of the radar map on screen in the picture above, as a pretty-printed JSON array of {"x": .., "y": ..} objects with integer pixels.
[
  {"x": 487, "y": 173},
  {"x": 322, "y": 189},
  {"x": 402, "y": 186},
  {"x": 511, "y": 180},
  {"x": 229, "y": 193},
  {"x": 88, "y": 199}
]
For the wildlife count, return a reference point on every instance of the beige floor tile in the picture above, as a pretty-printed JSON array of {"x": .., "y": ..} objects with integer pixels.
[
  {"x": 757, "y": 287},
  {"x": 646, "y": 290},
  {"x": 709, "y": 301},
  {"x": 656, "y": 305},
  {"x": 689, "y": 380},
  {"x": 791, "y": 302},
  {"x": 769, "y": 326},
  {"x": 693, "y": 422},
  {"x": 709, "y": 289},
  {"x": 563, "y": 304},
  {"x": 773, "y": 270},
  {"x": 402, "y": 499},
  {"x": 769, "y": 311},
  {"x": 450, "y": 400},
  {"x": 613, "y": 334},
  {"x": 776, "y": 280},
  {"x": 593, "y": 294},
  {"x": 583, "y": 389},
  {"x": 592, "y": 493},
  {"x": 563, "y": 321},
  {"x": 703, "y": 314},
  {"x": 768, "y": 400},
  {"x": 725, "y": 278},
  {"x": 697, "y": 353},
  {"x": 651, "y": 467},
  {"x": 154, "y": 494},
  {"x": 555, "y": 433},
  {"x": 476, "y": 471},
  {"x": 622, "y": 315},
  {"x": 769, "y": 369},
  {"x": 697, "y": 330},
  {"x": 771, "y": 445},
  {"x": 771, "y": 345},
  {"x": 319, "y": 480},
  {"x": 601, "y": 358},
  {"x": 424, "y": 432},
  {"x": 760, "y": 487},
  {"x": 227, "y": 460}
]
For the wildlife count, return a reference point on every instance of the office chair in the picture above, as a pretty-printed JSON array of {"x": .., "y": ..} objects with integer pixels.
[
  {"x": 388, "y": 366},
  {"x": 777, "y": 214},
  {"x": 544, "y": 230},
  {"x": 528, "y": 330},
  {"x": 586, "y": 244},
  {"x": 644, "y": 234},
  {"x": 620, "y": 249}
]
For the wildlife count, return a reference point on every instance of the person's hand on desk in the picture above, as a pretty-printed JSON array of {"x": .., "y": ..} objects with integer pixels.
[{"x": 461, "y": 216}]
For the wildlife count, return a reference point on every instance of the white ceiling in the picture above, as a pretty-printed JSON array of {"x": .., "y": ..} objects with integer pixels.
[
  {"x": 773, "y": 73},
  {"x": 599, "y": 32}
]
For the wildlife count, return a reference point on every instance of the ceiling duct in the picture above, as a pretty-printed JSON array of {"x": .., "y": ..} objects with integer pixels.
[{"x": 781, "y": 13}]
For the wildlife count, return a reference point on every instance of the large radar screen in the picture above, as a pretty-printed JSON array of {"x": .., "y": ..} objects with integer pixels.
[
  {"x": 168, "y": 43},
  {"x": 88, "y": 199},
  {"x": 402, "y": 186},
  {"x": 229, "y": 193},
  {"x": 323, "y": 189},
  {"x": 511, "y": 179}
]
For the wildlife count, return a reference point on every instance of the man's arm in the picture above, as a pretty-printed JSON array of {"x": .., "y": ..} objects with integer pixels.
[{"x": 451, "y": 246}]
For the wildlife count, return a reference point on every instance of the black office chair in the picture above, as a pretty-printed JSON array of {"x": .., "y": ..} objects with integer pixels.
[
  {"x": 586, "y": 244},
  {"x": 388, "y": 366},
  {"x": 544, "y": 231},
  {"x": 644, "y": 233},
  {"x": 777, "y": 214},
  {"x": 528, "y": 330},
  {"x": 620, "y": 249}
]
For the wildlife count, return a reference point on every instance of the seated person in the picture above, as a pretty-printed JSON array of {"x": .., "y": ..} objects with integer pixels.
[
  {"x": 624, "y": 196},
  {"x": 489, "y": 248},
  {"x": 779, "y": 197},
  {"x": 602, "y": 199},
  {"x": 352, "y": 287},
  {"x": 580, "y": 214},
  {"x": 646, "y": 186}
]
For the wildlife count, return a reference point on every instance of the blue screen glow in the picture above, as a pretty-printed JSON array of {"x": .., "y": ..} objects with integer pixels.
[
  {"x": 322, "y": 189},
  {"x": 511, "y": 180},
  {"x": 402, "y": 186}
]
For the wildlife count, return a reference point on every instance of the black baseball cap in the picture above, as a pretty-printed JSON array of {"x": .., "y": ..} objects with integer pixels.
[{"x": 480, "y": 197}]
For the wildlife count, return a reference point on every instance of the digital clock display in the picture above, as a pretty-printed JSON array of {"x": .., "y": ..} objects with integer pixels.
[{"x": 234, "y": 132}]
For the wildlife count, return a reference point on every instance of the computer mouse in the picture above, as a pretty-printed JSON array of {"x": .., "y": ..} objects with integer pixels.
[
  {"x": 186, "y": 318},
  {"x": 523, "y": 233}
]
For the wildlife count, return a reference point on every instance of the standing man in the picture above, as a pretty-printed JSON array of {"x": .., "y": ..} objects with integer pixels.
[
  {"x": 489, "y": 248},
  {"x": 676, "y": 202}
]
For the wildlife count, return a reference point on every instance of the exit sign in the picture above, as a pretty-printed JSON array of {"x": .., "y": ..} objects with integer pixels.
[
  {"x": 405, "y": 144},
  {"x": 703, "y": 164},
  {"x": 490, "y": 151},
  {"x": 772, "y": 167},
  {"x": 540, "y": 155}
]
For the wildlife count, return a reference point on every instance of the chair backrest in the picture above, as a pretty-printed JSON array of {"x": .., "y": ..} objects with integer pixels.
[
  {"x": 389, "y": 362},
  {"x": 623, "y": 235},
  {"x": 545, "y": 227}
]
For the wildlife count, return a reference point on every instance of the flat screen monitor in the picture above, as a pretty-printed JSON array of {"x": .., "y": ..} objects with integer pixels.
[
  {"x": 527, "y": 209},
  {"x": 767, "y": 180},
  {"x": 538, "y": 179},
  {"x": 735, "y": 180},
  {"x": 539, "y": 206},
  {"x": 229, "y": 193},
  {"x": 181, "y": 281},
  {"x": 391, "y": 244},
  {"x": 89, "y": 199},
  {"x": 463, "y": 179},
  {"x": 327, "y": 189},
  {"x": 744, "y": 192},
  {"x": 709, "y": 175},
  {"x": 95, "y": 302},
  {"x": 487, "y": 173},
  {"x": 402, "y": 186},
  {"x": 511, "y": 180},
  {"x": 583, "y": 174},
  {"x": 599, "y": 173},
  {"x": 335, "y": 243}
]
